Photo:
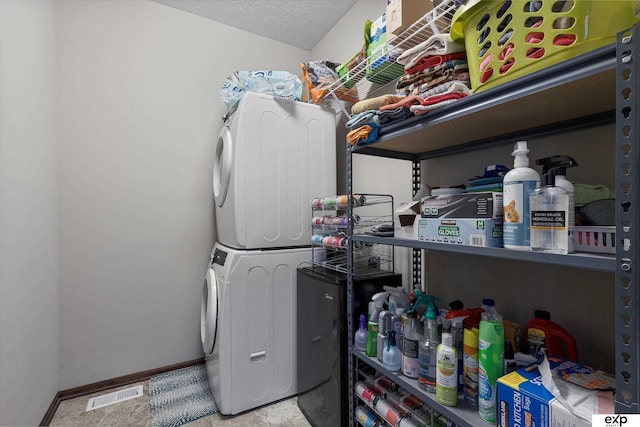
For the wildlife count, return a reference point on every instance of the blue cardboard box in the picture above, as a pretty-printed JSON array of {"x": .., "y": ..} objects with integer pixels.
[{"x": 523, "y": 400}]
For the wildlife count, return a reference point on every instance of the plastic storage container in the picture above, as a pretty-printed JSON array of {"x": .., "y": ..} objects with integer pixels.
[
  {"x": 596, "y": 239},
  {"x": 508, "y": 39}
]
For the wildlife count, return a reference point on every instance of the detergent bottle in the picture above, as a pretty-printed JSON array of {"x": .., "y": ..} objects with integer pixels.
[
  {"x": 490, "y": 360},
  {"x": 457, "y": 333},
  {"x": 517, "y": 185},
  {"x": 545, "y": 336},
  {"x": 372, "y": 327}
]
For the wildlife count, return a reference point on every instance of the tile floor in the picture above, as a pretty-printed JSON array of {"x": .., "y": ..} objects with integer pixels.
[{"x": 136, "y": 412}]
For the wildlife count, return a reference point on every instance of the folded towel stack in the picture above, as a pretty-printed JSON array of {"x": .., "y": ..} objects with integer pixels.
[
  {"x": 436, "y": 71},
  {"x": 436, "y": 74}
]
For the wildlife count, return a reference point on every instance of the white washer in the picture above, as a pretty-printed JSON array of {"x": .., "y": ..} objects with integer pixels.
[
  {"x": 272, "y": 157},
  {"x": 248, "y": 325}
]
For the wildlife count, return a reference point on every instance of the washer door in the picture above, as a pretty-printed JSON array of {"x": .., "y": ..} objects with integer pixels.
[
  {"x": 209, "y": 312},
  {"x": 222, "y": 166}
]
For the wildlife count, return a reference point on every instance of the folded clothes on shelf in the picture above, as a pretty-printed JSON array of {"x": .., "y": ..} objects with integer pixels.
[
  {"x": 437, "y": 44},
  {"x": 374, "y": 103}
]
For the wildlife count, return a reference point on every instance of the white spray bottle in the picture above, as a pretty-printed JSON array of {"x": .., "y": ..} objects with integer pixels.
[{"x": 517, "y": 185}]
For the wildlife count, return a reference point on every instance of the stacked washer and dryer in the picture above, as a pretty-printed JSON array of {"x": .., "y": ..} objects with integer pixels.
[{"x": 272, "y": 157}]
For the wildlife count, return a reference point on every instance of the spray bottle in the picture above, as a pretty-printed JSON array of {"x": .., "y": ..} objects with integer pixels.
[
  {"x": 392, "y": 359},
  {"x": 490, "y": 360},
  {"x": 360, "y": 340},
  {"x": 553, "y": 208},
  {"x": 384, "y": 326},
  {"x": 559, "y": 165},
  {"x": 427, "y": 350},
  {"x": 398, "y": 298},
  {"x": 517, "y": 185},
  {"x": 372, "y": 337},
  {"x": 411, "y": 336},
  {"x": 457, "y": 332}
]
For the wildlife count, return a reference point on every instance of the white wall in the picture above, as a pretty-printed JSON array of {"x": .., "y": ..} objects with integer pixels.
[
  {"x": 140, "y": 113},
  {"x": 28, "y": 212}
]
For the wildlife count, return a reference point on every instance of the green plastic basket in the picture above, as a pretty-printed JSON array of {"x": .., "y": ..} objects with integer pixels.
[{"x": 507, "y": 39}]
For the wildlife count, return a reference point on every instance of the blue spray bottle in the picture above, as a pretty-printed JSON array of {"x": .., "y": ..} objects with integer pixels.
[{"x": 392, "y": 359}]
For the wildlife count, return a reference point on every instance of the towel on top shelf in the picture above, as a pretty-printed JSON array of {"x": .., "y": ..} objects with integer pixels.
[{"x": 437, "y": 44}]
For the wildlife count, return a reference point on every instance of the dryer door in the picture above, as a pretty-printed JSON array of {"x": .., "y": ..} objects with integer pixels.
[
  {"x": 209, "y": 312},
  {"x": 222, "y": 166}
]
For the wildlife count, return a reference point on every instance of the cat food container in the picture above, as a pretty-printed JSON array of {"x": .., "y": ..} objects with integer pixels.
[
  {"x": 507, "y": 39},
  {"x": 601, "y": 240}
]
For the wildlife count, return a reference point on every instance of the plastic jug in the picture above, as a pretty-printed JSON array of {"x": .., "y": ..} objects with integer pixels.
[{"x": 544, "y": 335}]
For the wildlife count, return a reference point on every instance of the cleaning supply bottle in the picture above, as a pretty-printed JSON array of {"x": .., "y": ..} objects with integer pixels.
[
  {"x": 398, "y": 326},
  {"x": 549, "y": 207},
  {"x": 457, "y": 332},
  {"x": 392, "y": 359},
  {"x": 517, "y": 185},
  {"x": 560, "y": 164},
  {"x": 360, "y": 340},
  {"x": 398, "y": 298},
  {"x": 427, "y": 351},
  {"x": 470, "y": 365},
  {"x": 447, "y": 372},
  {"x": 546, "y": 336},
  {"x": 384, "y": 326},
  {"x": 410, "y": 340},
  {"x": 372, "y": 327},
  {"x": 490, "y": 360}
]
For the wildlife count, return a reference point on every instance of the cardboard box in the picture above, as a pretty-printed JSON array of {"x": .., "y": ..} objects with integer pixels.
[
  {"x": 524, "y": 401},
  {"x": 461, "y": 231},
  {"x": 406, "y": 220},
  {"x": 465, "y": 205},
  {"x": 402, "y": 13}
]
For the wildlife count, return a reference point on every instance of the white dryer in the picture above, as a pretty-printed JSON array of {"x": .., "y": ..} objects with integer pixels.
[
  {"x": 271, "y": 158},
  {"x": 248, "y": 325}
]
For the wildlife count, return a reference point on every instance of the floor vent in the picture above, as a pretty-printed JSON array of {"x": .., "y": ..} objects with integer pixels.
[{"x": 115, "y": 397}]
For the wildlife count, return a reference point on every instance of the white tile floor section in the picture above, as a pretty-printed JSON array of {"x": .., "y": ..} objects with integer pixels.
[{"x": 136, "y": 412}]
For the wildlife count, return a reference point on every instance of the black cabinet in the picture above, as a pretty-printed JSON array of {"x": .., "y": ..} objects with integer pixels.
[{"x": 323, "y": 393}]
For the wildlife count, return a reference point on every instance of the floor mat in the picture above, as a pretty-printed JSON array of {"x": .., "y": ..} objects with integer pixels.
[{"x": 180, "y": 396}]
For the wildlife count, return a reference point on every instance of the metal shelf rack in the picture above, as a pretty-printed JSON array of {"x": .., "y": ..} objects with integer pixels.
[{"x": 600, "y": 87}]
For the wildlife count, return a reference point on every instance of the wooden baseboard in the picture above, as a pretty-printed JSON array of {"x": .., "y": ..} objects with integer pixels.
[{"x": 109, "y": 384}]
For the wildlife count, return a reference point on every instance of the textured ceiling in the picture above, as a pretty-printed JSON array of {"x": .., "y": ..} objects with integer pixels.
[{"x": 300, "y": 23}]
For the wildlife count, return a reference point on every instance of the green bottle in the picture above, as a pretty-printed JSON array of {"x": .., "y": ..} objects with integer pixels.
[
  {"x": 490, "y": 362},
  {"x": 372, "y": 326}
]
